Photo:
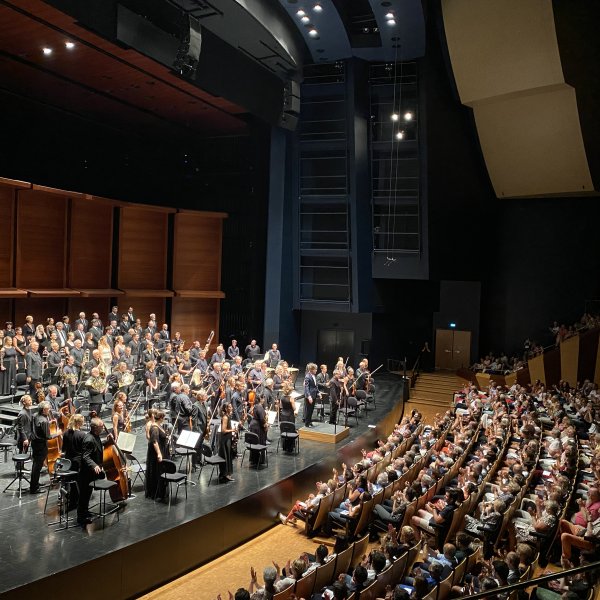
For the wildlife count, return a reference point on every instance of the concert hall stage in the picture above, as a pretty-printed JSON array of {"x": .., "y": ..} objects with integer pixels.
[{"x": 153, "y": 543}]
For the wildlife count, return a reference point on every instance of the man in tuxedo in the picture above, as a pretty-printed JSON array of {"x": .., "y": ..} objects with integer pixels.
[
  {"x": 135, "y": 346},
  {"x": 83, "y": 321},
  {"x": 96, "y": 317},
  {"x": 90, "y": 469},
  {"x": 77, "y": 354},
  {"x": 113, "y": 315},
  {"x": 131, "y": 316},
  {"x": 274, "y": 356},
  {"x": 124, "y": 324},
  {"x": 200, "y": 420},
  {"x": 39, "y": 444},
  {"x": 79, "y": 333},
  {"x": 66, "y": 323},
  {"x": 96, "y": 330},
  {"x": 164, "y": 332},
  {"x": 310, "y": 393},
  {"x": 61, "y": 335},
  {"x": 151, "y": 329},
  {"x": 33, "y": 364}
]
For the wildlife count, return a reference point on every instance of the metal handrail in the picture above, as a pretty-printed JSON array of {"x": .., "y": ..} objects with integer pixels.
[{"x": 529, "y": 582}]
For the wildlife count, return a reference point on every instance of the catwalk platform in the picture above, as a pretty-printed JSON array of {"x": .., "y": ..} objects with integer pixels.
[{"x": 153, "y": 543}]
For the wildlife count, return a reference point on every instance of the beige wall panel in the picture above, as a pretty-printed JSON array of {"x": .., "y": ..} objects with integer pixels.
[
  {"x": 569, "y": 359},
  {"x": 532, "y": 144},
  {"x": 536, "y": 369},
  {"x": 501, "y": 47},
  {"x": 195, "y": 318}
]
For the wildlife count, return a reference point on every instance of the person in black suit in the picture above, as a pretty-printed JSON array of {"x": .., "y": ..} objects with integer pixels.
[
  {"x": 113, "y": 315},
  {"x": 92, "y": 451},
  {"x": 39, "y": 444},
  {"x": 96, "y": 330},
  {"x": 311, "y": 392},
  {"x": 82, "y": 320},
  {"x": 66, "y": 323},
  {"x": 131, "y": 315}
]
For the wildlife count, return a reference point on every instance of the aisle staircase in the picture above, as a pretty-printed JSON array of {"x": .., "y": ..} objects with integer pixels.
[{"x": 433, "y": 392}]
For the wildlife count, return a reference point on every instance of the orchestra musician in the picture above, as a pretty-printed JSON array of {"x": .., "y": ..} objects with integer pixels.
[
  {"x": 287, "y": 413},
  {"x": 77, "y": 353},
  {"x": 219, "y": 355},
  {"x": 335, "y": 396},
  {"x": 24, "y": 424},
  {"x": 55, "y": 362},
  {"x": 151, "y": 378},
  {"x": 70, "y": 377},
  {"x": 200, "y": 423},
  {"x": 56, "y": 402},
  {"x": 310, "y": 393},
  {"x": 158, "y": 449},
  {"x": 236, "y": 367},
  {"x": 323, "y": 385},
  {"x": 259, "y": 426},
  {"x": 39, "y": 444},
  {"x": 177, "y": 342},
  {"x": 96, "y": 385},
  {"x": 225, "y": 442},
  {"x": 269, "y": 394},
  {"x": 273, "y": 356},
  {"x": 233, "y": 351},
  {"x": 92, "y": 450},
  {"x": 72, "y": 447},
  {"x": 118, "y": 416},
  {"x": 252, "y": 350}
]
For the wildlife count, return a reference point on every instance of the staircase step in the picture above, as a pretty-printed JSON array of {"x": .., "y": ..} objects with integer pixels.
[
  {"x": 425, "y": 399},
  {"x": 446, "y": 396}
]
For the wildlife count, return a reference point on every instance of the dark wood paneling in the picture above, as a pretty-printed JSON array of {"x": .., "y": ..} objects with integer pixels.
[
  {"x": 41, "y": 239},
  {"x": 91, "y": 244},
  {"x": 142, "y": 249},
  {"x": 88, "y": 306},
  {"x": 552, "y": 367},
  {"x": 7, "y": 231},
  {"x": 197, "y": 252},
  {"x": 195, "y": 318},
  {"x": 40, "y": 309},
  {"x": 6, "y": 311},
  {"x": 142, "y": 307}
]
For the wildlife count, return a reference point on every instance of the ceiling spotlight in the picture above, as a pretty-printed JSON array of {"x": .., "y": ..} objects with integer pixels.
[
  {"x": 318, "y": 8},
  {"x": 69, "y": 45},
  {"x": 47, "y": 51},
  {"x": 313, "y": 33},
  {"x": 400, "y": 135},
  {"x": 395, "y": 116},
  {"x": 300, "y": 13},
  {"x": 389, "y": 15},
  {"x": 305, "y": 19},
  {"x": 408, "y": 116},
  {"x": 391, "y": 22}
]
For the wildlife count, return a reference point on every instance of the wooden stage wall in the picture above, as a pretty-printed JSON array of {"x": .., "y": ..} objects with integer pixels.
[{"x": 65, "y": 252}]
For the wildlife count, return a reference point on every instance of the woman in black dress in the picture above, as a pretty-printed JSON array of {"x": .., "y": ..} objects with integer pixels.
[
  {"x": 72, "y": 448},
  {"x": 287, "y": 410},
  {"x": 157, "y": 450},
  {"x": 8, "y": 367},
  {"x": 226, "y": 468},
  {"x": 259, "y": 427},
  {"x": 19, "y": 342}
]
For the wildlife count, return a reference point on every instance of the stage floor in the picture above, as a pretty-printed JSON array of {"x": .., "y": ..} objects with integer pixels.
[{"x": 32, "y": 550}]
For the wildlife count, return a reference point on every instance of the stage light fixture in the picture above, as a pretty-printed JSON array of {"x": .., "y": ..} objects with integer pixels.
[
  {"x": 69, "y": 45},
  {"x": 300, "y": 13},
  {"x": 47, "y": 51},
  {"x": 305, "y": 19},
  {"x": 313, "y": 33},
  {"x": 395, "y": 116},
  {"x": 400, "y": 135},
  {"x": 408, "y": 116},
  {"x": 318, "y": 8},
  {"x": 389, "y": 15},
  {"x": 391, "y": 22}
]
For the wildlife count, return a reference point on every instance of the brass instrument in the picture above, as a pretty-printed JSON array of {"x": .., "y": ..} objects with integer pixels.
[
  {"x": 126, "y": 379},
  {"x": 70, "y": 378},
  {"x": 98, "y": 384}
]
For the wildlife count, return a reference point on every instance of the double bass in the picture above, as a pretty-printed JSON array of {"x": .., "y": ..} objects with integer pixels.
[
  {"x": 114, "y": 466},
  {"x": 54, "y": 446}
]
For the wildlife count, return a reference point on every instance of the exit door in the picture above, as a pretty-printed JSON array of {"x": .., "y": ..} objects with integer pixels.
[{"x": 452, "y": 349}]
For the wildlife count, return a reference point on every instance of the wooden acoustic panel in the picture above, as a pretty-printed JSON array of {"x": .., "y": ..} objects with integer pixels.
[
  {"x": 197, "y": 251},
  {"x": 90, "y": 252},
  {"x": 143, "y": 307},
  {"x": 41, "y": 239},
  {"x": 143, "y": 241},
  {"x": 6, "y": 311},
  {"x": 7, "y": 233},
  {"x": 195, "y": 318},
  {"x": 88, "y": 306},
  {"x": 40, "y": 309}
]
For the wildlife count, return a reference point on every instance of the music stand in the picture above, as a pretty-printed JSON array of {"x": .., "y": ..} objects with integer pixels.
[{"x": 188, "y": 439}]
